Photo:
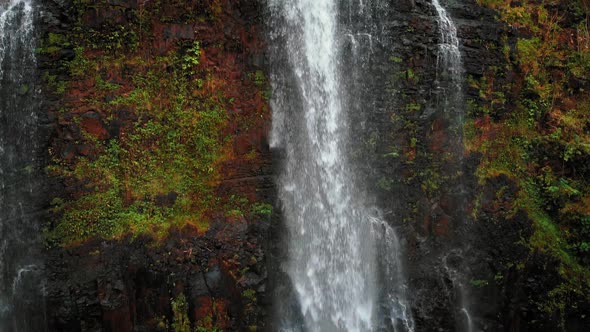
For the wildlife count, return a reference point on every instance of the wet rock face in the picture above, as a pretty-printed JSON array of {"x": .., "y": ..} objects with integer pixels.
[
  {"x": 129, "y": 286},
  {"x": 452, "y": 261},
  {"x": 458, "y": 267},
  {"x": 216, "y": 277},
  {"x": 410, "y": 152}
]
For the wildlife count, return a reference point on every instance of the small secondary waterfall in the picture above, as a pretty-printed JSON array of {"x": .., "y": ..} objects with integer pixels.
[
  {"x": 450, "y": 64},
  {"x": 334, "y": 236},
  {"x": 451, "y": 263},
  {"x": 450, "y": 101},
  {"x": 20, "y": 188},
  {"x": 449, "y": 78}
]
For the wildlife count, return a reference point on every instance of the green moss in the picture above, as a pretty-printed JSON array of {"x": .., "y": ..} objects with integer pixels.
[
  {"x": 259, "y": 78},
  {"x": 206, "y": 324},
  {"x": 180, "y": 320},
  {"x": 541, "y": 142},
  {"x": 395, "y": 59},
  {"x": 261, "y": 208},
  {"x": 249, "y": 294},
  {"x": 81, "y": 65},
  {"x": 167, "y": 136},
  {"x": 162, "y": 168},
  {"x": 413, "y": 107},
  {"x": 57, "y": 86},
  {"x": 479, "y": 283},
  {"x": 411, "y": 76},
  {"x": 207, "y": 329},
  {"x": 53, "y": 44},
  {"x": 385, "y": 184},
  {"x": 172, "y": 150}
]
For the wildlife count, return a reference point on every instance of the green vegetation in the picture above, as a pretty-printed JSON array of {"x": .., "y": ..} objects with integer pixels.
[
  {"x": 205, "y": 329},
  {"x": 395, "y": 59},
  {"x": 249, "y": 294},
  {"x": 261, "y": 209},
  {"x": 180, "y": 322},
  {"x": 385, "y": 184},
  {"x": 161, "y": 172},
  {"x": 152, "y": 147},
  {"x": 191, "y": 58},
  {"x": 542, "y": 142},
  {"x": 207, "y": 324},
  {"x": 479, "y": 283}
]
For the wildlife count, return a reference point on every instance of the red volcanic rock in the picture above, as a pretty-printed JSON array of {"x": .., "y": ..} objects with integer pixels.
[
  {"x": 438, "y": 136},
  {"x": 84, "y": 150},
  {"x": 183, "y": 262},
  {"x": 441, "y": 225},
  {"x": 94, "y": 127},
  {"x": 203, "y": 307}
]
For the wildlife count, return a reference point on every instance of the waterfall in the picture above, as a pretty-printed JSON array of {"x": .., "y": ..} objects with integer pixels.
[
  {"x": 450, "y": 101},
  {"x": 335, "y": 237},
  {"x": 469, "y": 322},
  {"x": 451, "y": 264},
  {"x": 449, "y": 78},
  {"x": 449, "y": 60},
  {"x": 20, "y": 167}
]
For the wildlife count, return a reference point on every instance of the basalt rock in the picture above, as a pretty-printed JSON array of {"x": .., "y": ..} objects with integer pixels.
[
  {"x": 227, "y": 274},
  {"x": 133, "y": 283}
]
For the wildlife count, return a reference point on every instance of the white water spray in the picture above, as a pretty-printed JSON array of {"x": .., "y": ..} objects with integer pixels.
[
  {"x": 449, "y": 60},
  {"x": 450, "y": 101},
  {"x": 334, "y": 237},
  {"x": 20, "y": 188}
]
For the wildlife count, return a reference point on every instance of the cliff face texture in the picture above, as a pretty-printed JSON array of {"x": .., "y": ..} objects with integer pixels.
[
  {"x": 162, "y": 180},
  {"x": 491, "y": 203},
  {"x": 494, "y": 213},
  {"x": 160, "y": 164}
]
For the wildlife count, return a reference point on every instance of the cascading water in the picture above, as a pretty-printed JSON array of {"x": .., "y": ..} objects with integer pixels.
[
  {"x": 449, "y": 78},
  {"x": 451, "y": 263},
  {"x": 334, "y": 237},
  {"x": 450, "y": 101},
  {"x": 21, "y": 308},
  {"x": 449, "y": 62}
]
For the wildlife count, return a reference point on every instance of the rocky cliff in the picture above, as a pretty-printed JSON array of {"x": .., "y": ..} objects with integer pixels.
[
  {"x": 161, "y": 171},
  {"x": 162, "y": 180},
  {"x": 493, "y": 227}
]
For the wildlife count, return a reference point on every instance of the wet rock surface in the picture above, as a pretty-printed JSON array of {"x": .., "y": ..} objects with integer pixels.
[
  {"x": 131, "y": 284},
  {"x": 452, "y": 260},
  {"x": 407, "y": 147}
]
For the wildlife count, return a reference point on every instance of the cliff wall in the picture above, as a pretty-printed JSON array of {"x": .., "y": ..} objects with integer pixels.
[
  {"x": 160, "y": 167},
  {"x": 162, "y": 180}
]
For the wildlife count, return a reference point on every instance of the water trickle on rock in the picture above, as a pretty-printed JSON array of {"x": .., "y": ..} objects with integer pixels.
[
  {"x": 449, "y": 62},
  {"x": 450, "y": 101},
  {"x": 21, "y": 287},
  {"x": 334, "y": 237}
]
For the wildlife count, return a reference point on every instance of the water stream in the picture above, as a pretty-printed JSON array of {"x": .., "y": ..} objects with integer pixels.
[
  {"x": 449, "y": 62},
  {"x": 450, "y": 100},
  {"x": 21, "y": 286},
  {"x": 452, "y": 270},
  {"x": 338, "y": 244}
]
